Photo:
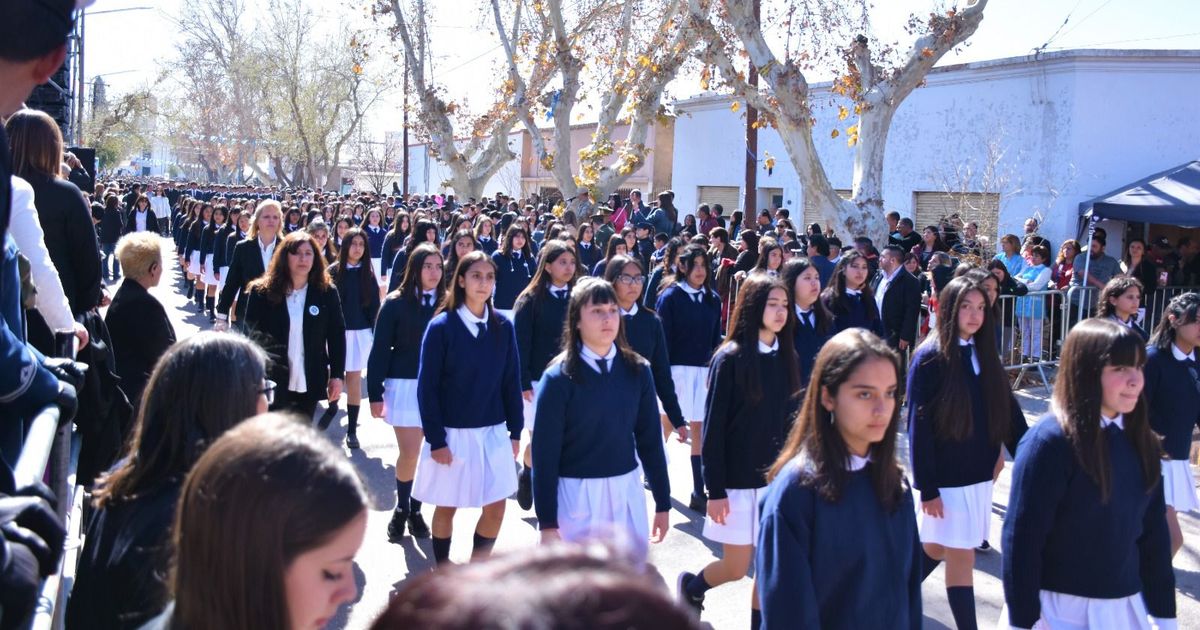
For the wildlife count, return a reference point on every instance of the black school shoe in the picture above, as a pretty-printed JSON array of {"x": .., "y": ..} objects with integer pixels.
[
  {"x": 693, "y": 603},
  {"x": 417, "y": 526},
  {"x": 396, "y": 525},
  {"x": 352, "y": 441},
  {"x": 525, "y": 489},
  {"x": 698, "y": 503}
]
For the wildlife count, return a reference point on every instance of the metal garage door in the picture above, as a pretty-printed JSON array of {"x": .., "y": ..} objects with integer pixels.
[
  {"x": 983, "y": 208},
  {"x": 810, "y": 211},
  {"x": 730, "y": 198}
]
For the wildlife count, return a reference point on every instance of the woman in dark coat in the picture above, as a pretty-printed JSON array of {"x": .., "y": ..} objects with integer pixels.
[
  {"x": 112, "y": 224},
  {"x": 137, "y": 323}
]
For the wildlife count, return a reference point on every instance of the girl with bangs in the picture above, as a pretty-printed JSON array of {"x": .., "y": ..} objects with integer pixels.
[
  {"x": 358, "y": 291},
  {"x": 539, "y": 315},
  {"x": 960, "y": 412},
  {"x": 752, "y": 386},
  {"x": 837, "y": 526},
  {"x": 849, "y": 297},
  {"x": 392, "y": 375},
  {"x": 803, "y": 282},
  {"x": 1086, "y": 541},
  {"x": 1120, "y": 301},
  {"x": 591, "y": 448}
]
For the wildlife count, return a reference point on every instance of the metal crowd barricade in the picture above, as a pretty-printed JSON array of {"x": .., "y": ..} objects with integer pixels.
[{"x": 1029, "y": 330}]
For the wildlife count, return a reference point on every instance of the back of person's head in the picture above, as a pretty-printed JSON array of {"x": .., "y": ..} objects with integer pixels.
[
  {"x": 264, "y": 497},
  {"x": 551, "y": 587},
  {"x": 36, "y": 143},
  {"x": 178, "y": 420},
  {"x": 138, "y": 252},
  {"x": 33, "y": 28}
]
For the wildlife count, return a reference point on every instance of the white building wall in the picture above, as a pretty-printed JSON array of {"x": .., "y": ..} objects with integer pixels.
[
  {"x": 427, "y": 174},
  {"x": 1071, "y": 126}
]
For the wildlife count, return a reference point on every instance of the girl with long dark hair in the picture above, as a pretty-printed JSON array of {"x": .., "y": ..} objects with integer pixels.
[
  {"x": 424, "y": 231},
  {"x": 394, "y": 242},
  {"x": 392, "y": 375},
  {"x": 813, "y": 322},
  {"x": 1086, "y": 542},
  {"x": 691, "y": 315},
  {"x": 462, "y": 244},
  {"x": 616, "y": 247},
  {"x": 515, "y": 264},
  {"x": 838, "y": 543},
  {"x": 849, "y": 298},
  {"x": 485, "y": 235},
  {"x": 961, "y": 412},
  {"x": 591, "y": 447},
  {"x": 192, "y": 254},
  {"x": 589, "y": 251},
  {"x": 753, "y": 382},
  {"x": 376, "y": 236},
  {"x": 208, "y": 268},
  {"x": 358, "y": 291},
  {"x": 1119, "y": 301}
]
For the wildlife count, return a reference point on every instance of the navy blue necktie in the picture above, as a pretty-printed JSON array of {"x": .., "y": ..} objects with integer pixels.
[
  {"x": 603, "y": 364},
  {"x": 426, "y": 300},
  {"x": 482, "y": 328}
]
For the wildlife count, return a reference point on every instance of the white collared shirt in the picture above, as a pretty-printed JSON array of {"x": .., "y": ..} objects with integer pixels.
[
  {"x": 295, "y": 348},
  {"x": 593, "y": 359},
  {"x": 884, "y": 284},
  {"x": 974, "y": 353},
  {"x": 692, "y": 293},
  {"x": 432, "y": 297},
  {"x": 1179, "y": 355},
  {"x": 1105, "y": 421},
  {"x": 562, "y": 292},
  {"x": 267, "y": 251},
  {"x": 630, "y": 312},
  {"x": 765, "y": 349},
  {"x": 470, "y": 320},
  {"x": 853, "y": 291},
  {"x": 855, "y": 463},
  {"x": 139, "y": 220}
]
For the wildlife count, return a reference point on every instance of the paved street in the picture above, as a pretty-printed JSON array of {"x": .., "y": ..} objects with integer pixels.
[{"x": 383, "y": 567}]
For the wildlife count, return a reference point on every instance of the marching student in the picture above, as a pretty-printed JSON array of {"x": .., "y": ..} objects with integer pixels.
[
  {"x": 955, "y": 452},
  {"x": 485, "y": 235},
  {"x": 250, "y": 260},
  {"x": 591, "y": 446},
  {"x": 752, "y": 399},
  {"x": 471, "y": 441},
  {"x": 239, "y": 232},
  {"x": 589, "y": 250},
  {"x": 616, "y": 247},
  {"x": 1119, "y": 301},
  {"x": 515, "y": 264},
  {"x": 424, "y": 232},
  {"x": 192, "y": 254},
  {"x": 462, "y": 244},
  {"x": 538, "y": 315},
  {"x": 691, "y": 316},
  {"x": 663, "y": 273},
  {"x": 644, "y": 332},
  {"x": 803, "y": 282},
  {"x": 849, "y": 298},
  {"x": 358, "y": 291},
  {"x": 222, "y": 249},
  {"x": 837, "y": 544},
  {"x": 299, "y": 316},
  {"x": 400, "y": 227},
  {"x": 208, "y": 269},
  {"x": 392, "y": 375},
  {"x": 1086, "y": 542},
  {"x": 1172, "y": 393},
  {"x": 376, "y": 235}
]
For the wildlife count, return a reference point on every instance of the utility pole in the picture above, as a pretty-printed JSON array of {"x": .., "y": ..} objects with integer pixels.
[
  {"x": 404, "y": 135},
  {"x": 750, "y": 195}
]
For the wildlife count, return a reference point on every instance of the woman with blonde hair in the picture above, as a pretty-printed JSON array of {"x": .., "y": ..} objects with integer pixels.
[{"x": 250, "y": 259}]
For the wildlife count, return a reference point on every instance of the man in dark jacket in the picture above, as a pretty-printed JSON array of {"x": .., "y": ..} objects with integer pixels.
[{"x": 898, "y": 296}]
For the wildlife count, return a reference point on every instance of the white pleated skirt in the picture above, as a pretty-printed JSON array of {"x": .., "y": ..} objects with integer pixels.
[
  {"x": 400, "y": 402},
  {"x": 223, "y": 271},
  {"x": 691, "y": 386},
  {"x": 1061, "y": 611},
  {"x": 358, "y": 348},
  {"x": 531, "y": 406},
  {"x": 377, "y": 265},
  {"x": 1179, "y": 486},
  {"x": 194, "y": 263},
  {"x": 609, "y": 509},
  {"x": 741, "y": 524},
  {"x": 966, "y": 514},
  {"x": 210, "y": 278},
  {"x": 481, "y": 473}
]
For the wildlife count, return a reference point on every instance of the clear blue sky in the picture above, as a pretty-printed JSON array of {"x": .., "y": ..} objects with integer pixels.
[{"x": 127, "y": 47}]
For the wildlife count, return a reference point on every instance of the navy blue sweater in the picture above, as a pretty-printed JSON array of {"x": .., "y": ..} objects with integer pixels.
[
  {"x": 858, "y": 313},
  {"x": 466, "y": 382},
  {"x": 539, "y": 323},
  {"x": 693, "y": 330},
  {"x": 396, "y": 351},
  {"x": 358, "y": 316},
  {"x": 208, "y": 241},
  {"x": 940, "y": 463},
  {"x": 828, "y": 566},
  {"x": 487, "y": 245},
  {"x": 743, "y": 438},
  {"x": 589, "y": 255},
  {"x": 1173, "y": 401},
  {"x": 512, "y": 276},
  {"x": 808, "y": 343},
  {"x": 392, "y": 244},
  {"x": 585, "y": 432},
  {"x": 1058, "y": 536},
  {"x": 644, "y": 332},
  {"x": 375, "y": 239},
  {"x": 192, "y": 243}
]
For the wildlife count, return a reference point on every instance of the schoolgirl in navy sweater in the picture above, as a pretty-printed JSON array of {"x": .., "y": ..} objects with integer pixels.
[
  {"x": 1085, "y": 537},
  {"x": 752, "y": 388},
  {"x": 837, "y": 545},
  {"x": 455, "y": 248},
  {"x": 538, "y": 315},
  {"x": 616, "y": 247},
  {"x": 392, "y": 375},
  {"x": 813, "y": 321},
  {"x": 663, "y": 272},
  {"x": 423, "y": 232},
  {"x": 398, "y": 233},
  {"x": 1172, "y": 393},
  {"x": 515, "y": 264},
  {"x": 358, "y": 290},
  {"x": 691, "y": 315},
  {"x": 208, "y": 268},
  {"x": 193, "y": 254},
  {"x": 644, "y": 332},
  {"x": 961, "y": 411},
  {"x": 376, "y": 235},
  {"x": 848, "y": 296},
  {"x": 589, "y": 250},
  {"x": 470, "y": 441},
  {"x": 485, "y": 235},
  {"x": 237, "y": 234},
  {"x": 1120, "y": 301},
  {"x": 592, "y": 446}
]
